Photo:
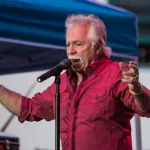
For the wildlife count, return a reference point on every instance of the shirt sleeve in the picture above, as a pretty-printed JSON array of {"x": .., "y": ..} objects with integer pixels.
[
  {"x": 38, "y": 107},
  {"x": 121, "y": 91}
]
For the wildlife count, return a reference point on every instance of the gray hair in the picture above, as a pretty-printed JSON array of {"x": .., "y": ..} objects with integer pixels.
[{"x": 97, "y": 30}]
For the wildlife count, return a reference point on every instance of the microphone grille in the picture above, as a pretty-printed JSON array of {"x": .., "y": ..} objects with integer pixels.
[{"x": 66, "y": 63}]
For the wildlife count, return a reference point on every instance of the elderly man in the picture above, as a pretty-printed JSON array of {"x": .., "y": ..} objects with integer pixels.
[{"x": 98, "y": 96}]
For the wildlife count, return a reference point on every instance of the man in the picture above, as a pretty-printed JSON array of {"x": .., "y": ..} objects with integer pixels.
[{"x": 98, "y": 96}]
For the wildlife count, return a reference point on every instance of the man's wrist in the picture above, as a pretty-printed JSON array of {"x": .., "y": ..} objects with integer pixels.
[{"x": 139, "y": 91}]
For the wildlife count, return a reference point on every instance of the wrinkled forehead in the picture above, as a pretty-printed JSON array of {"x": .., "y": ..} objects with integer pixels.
[{"x": 77, "y": 32}]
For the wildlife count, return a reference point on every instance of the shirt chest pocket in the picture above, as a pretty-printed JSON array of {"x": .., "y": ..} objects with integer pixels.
[{"x": 94, "y": 104}]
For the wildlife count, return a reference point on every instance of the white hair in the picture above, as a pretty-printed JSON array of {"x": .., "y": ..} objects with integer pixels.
[{"x": 97, "y": 31}]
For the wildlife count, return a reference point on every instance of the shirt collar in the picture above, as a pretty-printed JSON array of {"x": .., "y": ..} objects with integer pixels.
[{"x": 99, "y": 64}]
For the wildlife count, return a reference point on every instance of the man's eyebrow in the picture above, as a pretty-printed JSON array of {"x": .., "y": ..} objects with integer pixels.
[{"x": 74, "y": 41}]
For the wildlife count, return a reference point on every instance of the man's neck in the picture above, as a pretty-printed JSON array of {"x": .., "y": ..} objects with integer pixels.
[{"x": 79, "y": 78}]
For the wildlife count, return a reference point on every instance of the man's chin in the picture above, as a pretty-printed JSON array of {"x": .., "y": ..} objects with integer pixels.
[{"x": 77, "y": 69}]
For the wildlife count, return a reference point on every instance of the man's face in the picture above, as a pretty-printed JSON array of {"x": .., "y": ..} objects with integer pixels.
[{"x": 79, "y": 47}]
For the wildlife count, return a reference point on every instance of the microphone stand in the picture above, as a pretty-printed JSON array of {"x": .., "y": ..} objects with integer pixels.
[
  {"x": 66, "y": 63},
  {"x": 57, "y": 112}
]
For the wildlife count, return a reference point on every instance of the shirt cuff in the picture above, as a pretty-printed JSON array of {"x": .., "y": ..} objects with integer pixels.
[
  {"x": 24, "y": 111},
  {"x": 139, "y": 112}
]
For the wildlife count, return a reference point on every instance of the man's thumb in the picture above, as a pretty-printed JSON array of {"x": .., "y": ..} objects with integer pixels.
[{"x": 122, "y": 66}]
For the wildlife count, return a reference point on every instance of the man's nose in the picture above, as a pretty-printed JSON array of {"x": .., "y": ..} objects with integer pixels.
[{"x": 71, "y": 50}]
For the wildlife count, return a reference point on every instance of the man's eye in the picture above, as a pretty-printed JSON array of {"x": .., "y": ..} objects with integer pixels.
[
  {"x": 79, "y": 44},
  {"x": 67, "y": 45}
]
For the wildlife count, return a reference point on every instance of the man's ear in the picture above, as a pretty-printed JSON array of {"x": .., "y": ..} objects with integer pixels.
[
  {"x": 99, "y": 51},
  {"x": 97, "y": 47}
]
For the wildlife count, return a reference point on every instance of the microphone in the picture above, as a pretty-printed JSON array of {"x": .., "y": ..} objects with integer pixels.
[{"x": 64, "y": 64}]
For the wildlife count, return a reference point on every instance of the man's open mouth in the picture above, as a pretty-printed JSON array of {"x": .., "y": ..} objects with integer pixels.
[{"x": 75, "y": 60}]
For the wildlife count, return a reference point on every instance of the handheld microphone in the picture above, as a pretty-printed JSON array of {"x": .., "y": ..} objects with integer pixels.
[{"x": 64, "y": 64}]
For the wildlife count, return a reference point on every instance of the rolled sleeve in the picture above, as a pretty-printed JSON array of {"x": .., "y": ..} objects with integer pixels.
[
  {"x": 24, "y": 109},
  {"x": 138, "y": 111},
  {"x": 37, "y": 108}
]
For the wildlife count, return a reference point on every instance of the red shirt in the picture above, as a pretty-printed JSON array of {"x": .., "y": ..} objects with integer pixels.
[{"x": 94, "y": 116}]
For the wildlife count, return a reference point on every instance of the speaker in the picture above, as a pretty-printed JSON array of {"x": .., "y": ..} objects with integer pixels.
[{"x": 9, "y": 141}]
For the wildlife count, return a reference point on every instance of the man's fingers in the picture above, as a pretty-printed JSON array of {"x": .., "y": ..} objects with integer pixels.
[
  {"x": 122, "y": 66},
  {"x": 133, "y": 62},
  {"x": 130, "y": 74},
  {"x": 134, "y": 67},
  {"x": 129, "y": 80}
]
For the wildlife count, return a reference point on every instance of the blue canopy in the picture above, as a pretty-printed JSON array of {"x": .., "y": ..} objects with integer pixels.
[{"x": 32, "y": 32}]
